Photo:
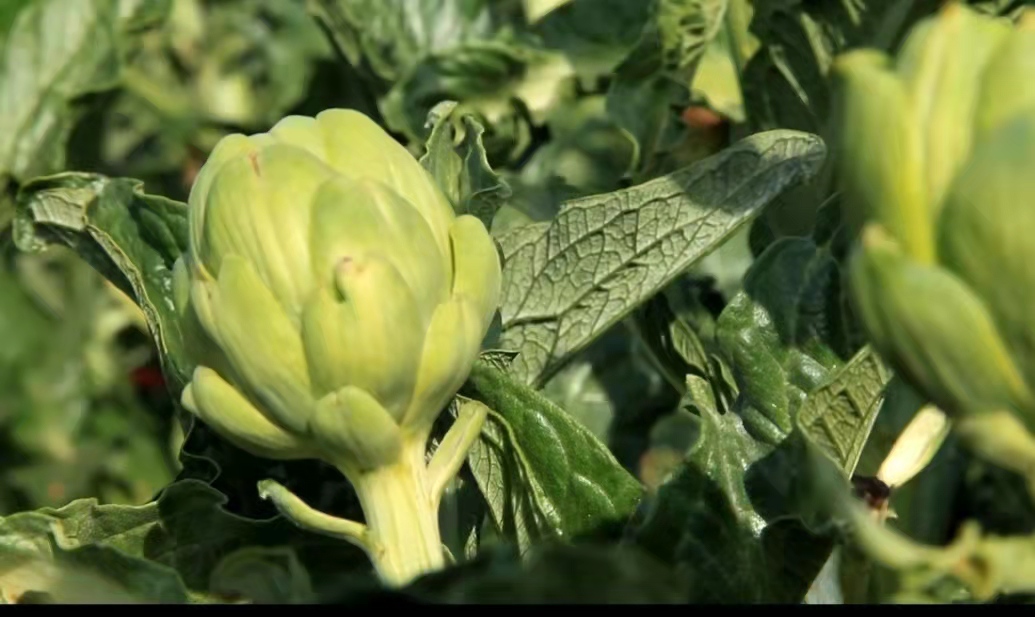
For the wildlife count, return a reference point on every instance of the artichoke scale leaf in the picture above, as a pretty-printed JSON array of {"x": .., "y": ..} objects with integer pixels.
[
  {"x": 355, "y": 430},
  {"x": 1008, "y": 87},
  {"x": 942, "y": 64},
  {"x": 984, "y": 234},
  {"x": 933, "y": 327},
  {"x": 371, "y": 338},
  {"x": 252, "y": 329},
  {"x": 230, "y": 414},
  {"x": 355, "y": 217},
  {"x": 476, "y": 265},
  {"x": 451, "y": 346},
  {"x": 881, "y": 151},
  {"x": 258, "y": 207},
  {"x": 358, "y": 148}
]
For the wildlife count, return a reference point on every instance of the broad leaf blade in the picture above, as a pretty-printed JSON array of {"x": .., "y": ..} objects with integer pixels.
[
  {"x": 132, "y": 238},
  {"x": 542, "y": 473},
  {"x": 568, "y": 280}
]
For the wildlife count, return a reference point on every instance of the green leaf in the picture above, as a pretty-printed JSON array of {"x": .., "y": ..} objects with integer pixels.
[
  {"x": 55, "y": 52},
  {"x": 607, "y": 384},
  {"x": 784, "y": 78},
  {"x": 728, "y": 518},
  {"x": 552, "y": 574},
  {"x": 184, "y": 539},
  {"x": 743, "y": 515},
  {"x": 652, "y": 84},
  {"x": 132, "y": 238},
  {"x": 509, "y": 84},
  {"x": 455, "y": 157},
  {"x": 594, "y": 34},
  {"x": 263, "y": 575},
  {"x": 587, "y": 150},
  {"x": 785, "y": 82},
  {"x": 568, "y": 280},
  {"x": 784, "y": 333},
  {"x": 392, "y": 36},
  {"x": 8, "y": 12},
  {"x": 839, "y": 416},
  {"x": 542, "y": 473}
]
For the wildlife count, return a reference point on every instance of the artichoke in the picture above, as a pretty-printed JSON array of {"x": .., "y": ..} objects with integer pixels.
[
  {"x": 937, "y": 162},
  {"x": 334, "y": 304}
]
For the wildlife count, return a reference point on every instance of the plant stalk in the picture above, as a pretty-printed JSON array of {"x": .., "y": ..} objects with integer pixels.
[{"x": 402, "y": 519}]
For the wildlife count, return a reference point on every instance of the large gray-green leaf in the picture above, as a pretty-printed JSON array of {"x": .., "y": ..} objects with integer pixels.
[
  {"x": 55, "y": 52},
  {"x": 132, "y": 238},
  {"x": 654, "y": 79},
  {"x": 543, "y": 474},
  {"x": 741, "y": 515},
  {"x": 568, "y": 280}
]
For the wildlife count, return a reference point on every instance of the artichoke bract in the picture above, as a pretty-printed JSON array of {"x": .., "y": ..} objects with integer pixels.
[
  {"x": 937, "y": 163},
  {"x": 334, "y": 301}
]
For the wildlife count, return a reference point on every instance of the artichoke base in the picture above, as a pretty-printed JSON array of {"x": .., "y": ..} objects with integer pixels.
[{"x": 400, "y": 502}]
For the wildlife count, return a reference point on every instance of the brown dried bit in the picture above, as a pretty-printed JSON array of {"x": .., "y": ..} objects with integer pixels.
[{"x": 871, "y": 490}]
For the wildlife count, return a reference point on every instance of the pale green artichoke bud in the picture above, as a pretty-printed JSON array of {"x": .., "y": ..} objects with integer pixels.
[
  {"x": 340, "y": 301},
  {"x": 885, "y": 182},
  {"x": 941, "y": 66},
  {"x": 940, "y": 164}
]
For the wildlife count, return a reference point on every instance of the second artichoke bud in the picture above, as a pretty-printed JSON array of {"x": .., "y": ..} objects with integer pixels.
[
  {"x": 937, "y": 163},
  {"x": 338, "y": 302}
]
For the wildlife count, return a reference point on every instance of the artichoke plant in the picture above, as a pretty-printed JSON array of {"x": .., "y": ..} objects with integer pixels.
[
  {"x": 937, "y": 163},
  {"x": 334, "y": 304}
]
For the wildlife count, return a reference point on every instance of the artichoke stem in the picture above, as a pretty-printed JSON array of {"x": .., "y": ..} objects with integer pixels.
[{"x": 402, "y": 518}]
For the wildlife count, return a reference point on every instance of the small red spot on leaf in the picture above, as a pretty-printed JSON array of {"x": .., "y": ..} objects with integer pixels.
[{"x": 253, "y": 158}]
